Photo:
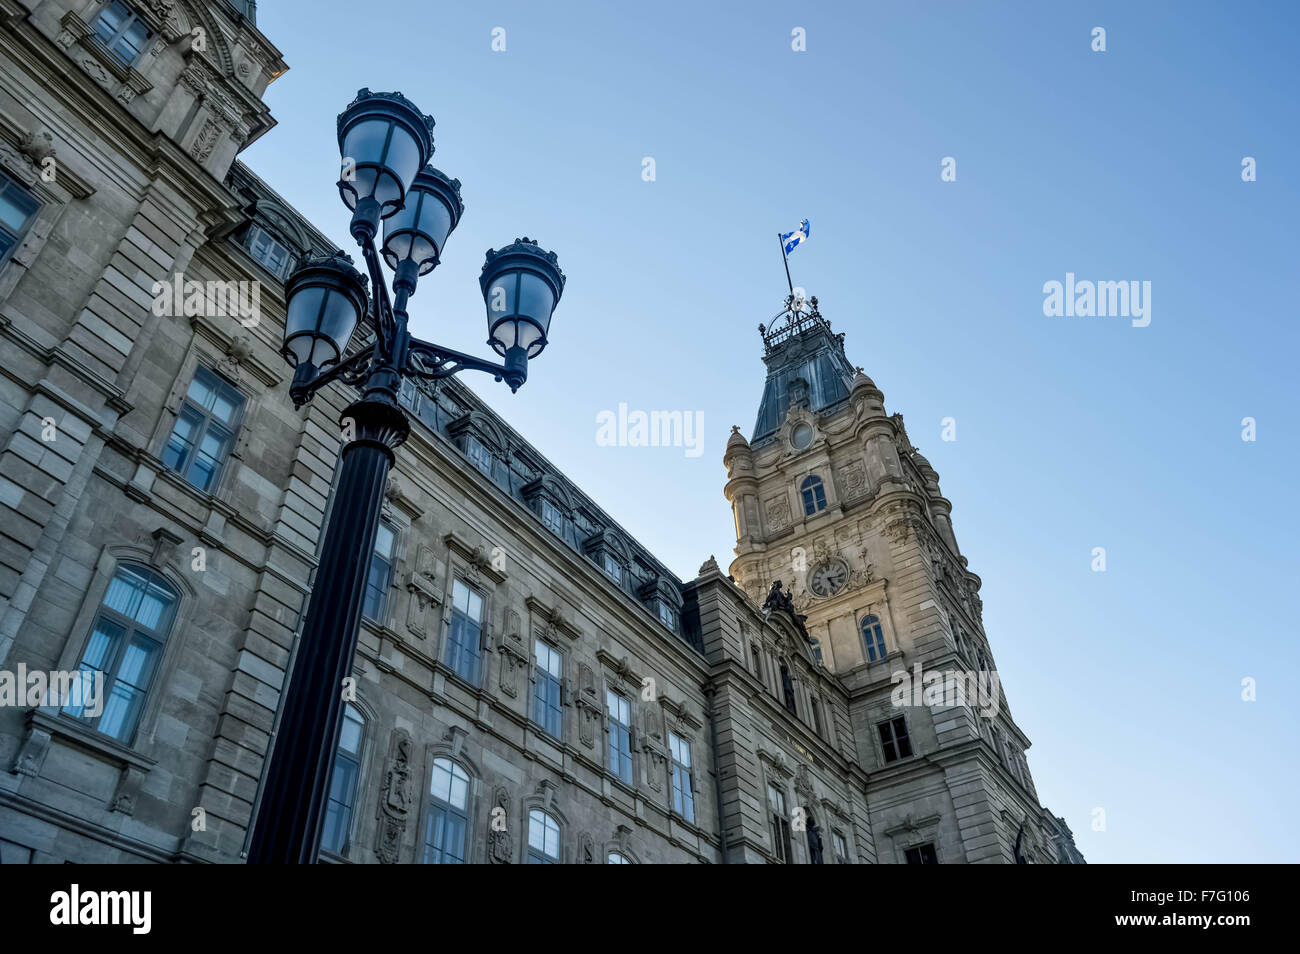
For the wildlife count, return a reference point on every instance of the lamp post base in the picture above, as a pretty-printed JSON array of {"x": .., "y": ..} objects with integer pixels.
[{"x": 287, "y": 827}]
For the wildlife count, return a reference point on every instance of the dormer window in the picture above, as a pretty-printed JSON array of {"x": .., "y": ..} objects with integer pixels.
[
  {"x": 613, "y": 569},
  {"x": 667, "y": 615},
  {"x": 121, "y": 30},
  {"x": 552, "y": 517},
  {"x": 267, "y": 251},
  {"x": 479, "y": 455}
]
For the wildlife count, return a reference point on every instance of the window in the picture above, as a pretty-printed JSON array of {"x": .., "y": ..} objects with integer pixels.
[
  {"x": 840, "y": 847},
  {"x": 817, "y": 716},
  {"x": 380, "y": 574},
  {"x": 758, "y": 660},
  {"x": 204, "y": 432},
  {"x": 125, "y": 644},
  {"x": 613, "y": 569},
  {"x": 122, "y": 31},
  {"x": 615, "y": 858},
  {"x": 343, "y": 783},
  {"x": 267, "y": 251},
  {"x": 464, "y": 644},
  {"x": 547, "y": 710},
  {"x": 552, "y": 517},
  {"x": 408, "y": 395},
  {"x": 448, "y": 820},
  {"x": 814, "y": 495},
  {"x": 479, "y": 455},
  {"x": 667, "y": 615},
  {"x": 683, "y": 797},
  {"x": 873, "y": 638},
  {"x": 543, "y": 839},
  {"x": 17, "y": 210},
  {"x": 778, "y": 824},
  {"x": 787, "y": 689},
  {"x": 921, "y": 855},
  {"x": 620, "y": 736},
  {"x": 894, "y": 740},
  {"x": 817, "y": 651}
]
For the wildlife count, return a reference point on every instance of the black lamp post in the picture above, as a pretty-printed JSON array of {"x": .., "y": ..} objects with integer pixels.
[{"x": 386, "y": 143}]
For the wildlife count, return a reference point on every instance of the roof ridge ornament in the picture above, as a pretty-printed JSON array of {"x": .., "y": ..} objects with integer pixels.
[{"x": 799, "y": 314}]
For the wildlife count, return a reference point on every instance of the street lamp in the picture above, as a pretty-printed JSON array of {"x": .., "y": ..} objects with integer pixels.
[{"x": 385, "y": 143}]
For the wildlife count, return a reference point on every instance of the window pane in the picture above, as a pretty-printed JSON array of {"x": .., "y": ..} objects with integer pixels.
[
  {"x": 15, "y": 206},
  {"x": 350, "y": 736},
  {"x": 384, "y": 539}
]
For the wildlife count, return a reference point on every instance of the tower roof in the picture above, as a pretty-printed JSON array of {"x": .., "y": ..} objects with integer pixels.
[{"x": 806, "y": 365}]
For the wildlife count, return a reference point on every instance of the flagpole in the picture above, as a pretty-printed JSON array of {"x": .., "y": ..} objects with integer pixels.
[{"x": 786, "y": 260}]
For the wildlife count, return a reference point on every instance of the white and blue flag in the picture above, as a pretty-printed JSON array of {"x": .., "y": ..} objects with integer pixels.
[{"x": 791, "y": 239}]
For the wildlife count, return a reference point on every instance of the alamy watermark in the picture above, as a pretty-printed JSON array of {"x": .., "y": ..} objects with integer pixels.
[
  {"x": 948, "y": 687},
  {"x": 240, "y": 300},
  {"x": 79, "y": 689},
  {"x": 1087, "y": 299},
  {"x": 624, "y": 428}
]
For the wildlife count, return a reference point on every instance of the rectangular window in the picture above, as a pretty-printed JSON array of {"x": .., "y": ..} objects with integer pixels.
[
  {"x": 204, "y": 432},
  {"x": 464, "y": 643},
  {"x": 380, "y": 575},
  {"x": 841, "y": 848},
  {"x": 620, "y": 736},
  {"x": 343, "y": 783},
  {"x": 613, "y": 569},
  {"x": 667, "y": 616},
  {"x": 122, "y": 31},
  {"x": 267, "y": 251},
  {"x": 893, "y": 739},
  {"x": 408, "y": 395},
  {"x": 552, "y": 517},
  {"x": 17, "y": 210},
  {"x": 817, "y": 716},
  {"x": 921, "y": 855},
  {"x": 479, "y": 455},
  {"x": 683, "y": 796},
  {"x": 547, "y": 706},
  {"x": 125, "y": 645},
  {"x": 778, "y": 824}
]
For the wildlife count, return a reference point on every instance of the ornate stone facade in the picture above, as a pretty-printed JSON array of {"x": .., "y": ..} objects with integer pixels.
[{"x": 146, "y": 186}]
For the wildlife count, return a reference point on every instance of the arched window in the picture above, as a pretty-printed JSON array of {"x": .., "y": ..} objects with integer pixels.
[
  {"x": 543, "y": 838},
  {"x": 618, "y": 859},
  {"x": 814, "y": 495},
  {"x": 125, "y": 645},
  {"x": 874, "y": 639},
  {"x": 448, "y": 818},
  {"x": 343, "y": 782}
]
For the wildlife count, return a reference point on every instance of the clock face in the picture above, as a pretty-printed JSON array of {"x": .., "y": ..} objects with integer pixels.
[{"x": 828, "y": 578}]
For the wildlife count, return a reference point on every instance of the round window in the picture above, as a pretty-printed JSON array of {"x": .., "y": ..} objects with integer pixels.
[{"x": 801, "y": 436}]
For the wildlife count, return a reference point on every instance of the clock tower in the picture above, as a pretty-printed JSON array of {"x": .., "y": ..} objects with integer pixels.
[{"x": 831, "y": 499}]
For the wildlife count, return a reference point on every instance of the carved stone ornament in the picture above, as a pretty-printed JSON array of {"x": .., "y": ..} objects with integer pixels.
[
  {"x": 514, "y": 661},
  {"x": 206, "y": 140},
  {"x": 501, "y": 848},
  {"x": 424, "y": 592},
  {"x": 777, "y": 510},
  {"x": 588, "y": 708},
  {"x": 853, "y": 479},
  {"x": 394, "y": 798}
]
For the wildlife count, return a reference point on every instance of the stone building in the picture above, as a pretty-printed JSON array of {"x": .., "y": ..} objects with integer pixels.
[{"x": 531, "y": 683}]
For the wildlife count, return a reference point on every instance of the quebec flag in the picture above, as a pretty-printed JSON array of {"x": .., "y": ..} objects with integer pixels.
[{"x": 791, "y": 239}]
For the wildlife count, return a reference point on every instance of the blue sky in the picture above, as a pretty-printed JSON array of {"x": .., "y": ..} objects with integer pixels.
[{"x": 1072, "y": 433}]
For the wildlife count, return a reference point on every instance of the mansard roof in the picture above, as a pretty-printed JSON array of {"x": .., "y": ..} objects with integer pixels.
[{"x": 806, "y": 366}]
